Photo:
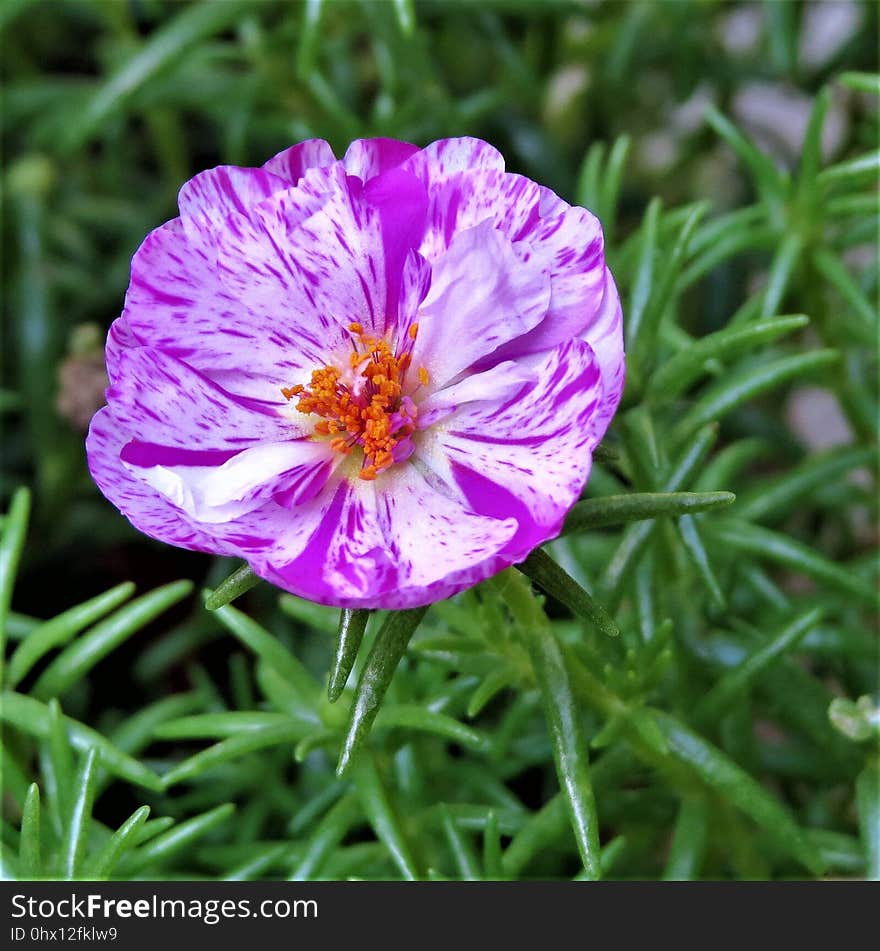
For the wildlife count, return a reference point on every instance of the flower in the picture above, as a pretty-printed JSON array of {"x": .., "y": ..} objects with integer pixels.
[{"x": 379, "y": 379}]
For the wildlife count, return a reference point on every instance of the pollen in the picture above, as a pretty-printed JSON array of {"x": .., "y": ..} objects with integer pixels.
[{"x": 366, "y": 405}]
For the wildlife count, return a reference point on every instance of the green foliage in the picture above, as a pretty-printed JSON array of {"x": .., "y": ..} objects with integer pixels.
[{"x": 684, "y": 685}]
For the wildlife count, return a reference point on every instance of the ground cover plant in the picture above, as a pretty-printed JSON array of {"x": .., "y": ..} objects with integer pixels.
[{"x": 683, "y": 685}]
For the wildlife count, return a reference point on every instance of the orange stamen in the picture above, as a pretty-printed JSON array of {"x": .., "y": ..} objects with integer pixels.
[
  {"x": 370, "y": 411},
  {"x": 340, "y": 445}
]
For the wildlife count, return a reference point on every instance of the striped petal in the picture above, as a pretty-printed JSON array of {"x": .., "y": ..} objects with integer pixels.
[
  {"x": 525, "y": 455},
  {"x": 565, "y": 241},
  {"x": 166, "y": 402},
  {"x": 400, "y": 546},
  {"x": 482, "y": 295},
  {"x": 154, "y": 514},
  {"x": 296, "y": 470},
  {"x": 305, "y": 281},
  {"x": 444, "y": 158},
  {"x": 292, "y": 164},
  {"x": 250, "y": 339},
  {"x": 367, "y": 158},
  {"x": 211, "y": 196},
  {"x": 470, "y": 197}
]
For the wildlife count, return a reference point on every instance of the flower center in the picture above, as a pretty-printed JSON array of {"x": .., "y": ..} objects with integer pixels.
[{"x": 365, "y": 404}]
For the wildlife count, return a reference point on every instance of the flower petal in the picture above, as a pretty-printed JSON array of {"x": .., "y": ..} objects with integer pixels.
[
  {"x": 482, "y": 295},
  {"x": 251, "y": 345},
  {"x": 570, "y": 246},
  {"x": 437, "y": 161},
  {"x": 367, "y": 158},
  {"x": 394, "y": 545},
  {"x": 402, "y": 203},
  {"x": 497, "y": 384},
  {"x": 567, "y": 241},
  {"x": 305, "y": 281},
  {"x": 218, "y": 192},
  {"x": 466, "y": 199},
  {"x": 526, "y": 455},
  {"x": 603, "y": 332},
  {"x": 154, "y": 515},
  {"x": 297, "y": 469},
  {"x": 168, "y": 403},
  {"x": 292, "y": 163},
  {"x": 176, "y": 303},
  {"x": 441, "y": 546}
]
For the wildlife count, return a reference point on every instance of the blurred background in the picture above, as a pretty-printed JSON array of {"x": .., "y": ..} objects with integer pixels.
[{"x": 108, "y": 106}]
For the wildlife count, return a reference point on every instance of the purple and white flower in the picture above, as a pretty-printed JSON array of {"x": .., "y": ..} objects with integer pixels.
[{"x": 379, "y": 380}]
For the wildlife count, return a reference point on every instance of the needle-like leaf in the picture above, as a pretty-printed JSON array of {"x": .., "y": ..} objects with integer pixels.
[
  {"x": 238, "y": 583},
  {"x": 386, "y": 653},
  {"x": 547, "y": 574},
  {"x": 352, "y": 624}
]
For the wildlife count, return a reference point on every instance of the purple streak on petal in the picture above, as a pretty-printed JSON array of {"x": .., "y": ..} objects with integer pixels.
[
  {"x": 355, "y": 185},
  {"x": 304, "y": 573},
  {"x": 367, "y": 158},
  {"x": 213, "y": 195},
  {"x": 482, "y": 295},
  {"x": 443, "y": 158},
  {"x": 292, "y": 163},
  {"x": 401, "y": 201},
  {"x": 167, "y": 402},
  {"x": 495, "y": 501},
  {"x": 535, "y": 444},
  {"x": 306, "y": 280},
  {"x": 147, "y": 454},
  {"x": 305, "y": 486}
]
